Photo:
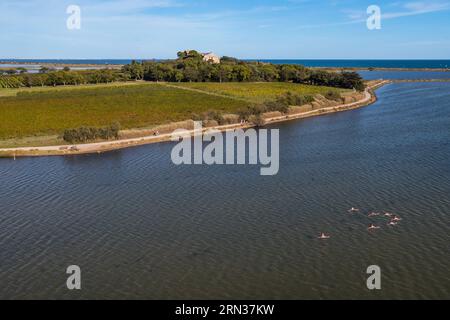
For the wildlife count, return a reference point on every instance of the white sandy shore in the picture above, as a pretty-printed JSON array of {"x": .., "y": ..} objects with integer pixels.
[{"x": 99, "y": 147}]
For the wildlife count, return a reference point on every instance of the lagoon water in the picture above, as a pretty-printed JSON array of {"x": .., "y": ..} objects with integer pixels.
[{"x": 141, "y": 228}]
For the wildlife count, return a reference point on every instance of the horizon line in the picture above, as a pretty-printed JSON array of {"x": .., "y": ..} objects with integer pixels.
[{"x": 316, "y": 59}]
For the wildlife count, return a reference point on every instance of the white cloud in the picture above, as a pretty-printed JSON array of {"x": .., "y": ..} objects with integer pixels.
[
  {"x": 409, "y": 9},
  {"x": 418, "y": 8},
  {"x": 427, "y": 6},
  {"x": 125, "y": 7}
]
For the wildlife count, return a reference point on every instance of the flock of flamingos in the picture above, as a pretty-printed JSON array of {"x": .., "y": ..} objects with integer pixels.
[{"x": 393, "y": 221}]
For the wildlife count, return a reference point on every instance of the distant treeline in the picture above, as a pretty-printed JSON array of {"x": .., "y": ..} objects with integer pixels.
[
  {"x": 190, "y": 67},
  {"x": 62, "y": 78}
]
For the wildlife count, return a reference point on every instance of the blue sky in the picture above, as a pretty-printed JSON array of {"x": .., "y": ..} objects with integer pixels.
[{"x": 286, "y": 29}]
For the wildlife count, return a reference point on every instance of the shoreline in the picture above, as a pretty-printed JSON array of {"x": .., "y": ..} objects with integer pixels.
[
  {"x": 106, "y": 146},
  {"x": 336, "y": 69}
]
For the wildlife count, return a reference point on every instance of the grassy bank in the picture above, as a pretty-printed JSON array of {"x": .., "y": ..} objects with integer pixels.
[
  {"x": 49, "y": 112},
  {"x": 37, "y": 116}
]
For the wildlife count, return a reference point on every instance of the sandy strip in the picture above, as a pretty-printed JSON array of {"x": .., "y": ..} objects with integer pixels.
[{"x": 100, "y": 147}]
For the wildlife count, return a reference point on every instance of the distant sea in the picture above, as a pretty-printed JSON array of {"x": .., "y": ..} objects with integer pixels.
[
  {"x": 413, "y": 64},
  {"x": 410, "y": 64}
]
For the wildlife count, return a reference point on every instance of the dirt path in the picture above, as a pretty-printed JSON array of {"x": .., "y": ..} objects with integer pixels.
[{"x": 203, "y": 92}]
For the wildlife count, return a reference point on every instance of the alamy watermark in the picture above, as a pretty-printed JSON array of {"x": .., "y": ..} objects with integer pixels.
[
  {"x": 74, "y": 280},
  {"x": 374, "y": 280},
  {"x": 74, "y": 20},
  {"x": 229, "y": 148},
  {"x": 374, "y": 19}
]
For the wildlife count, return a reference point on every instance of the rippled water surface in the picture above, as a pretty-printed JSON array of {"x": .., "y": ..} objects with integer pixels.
[{"x": 139, "y": 227}]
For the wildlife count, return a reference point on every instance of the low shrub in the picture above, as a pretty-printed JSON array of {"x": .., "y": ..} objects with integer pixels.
[
  {"x": 197, "y": 117},
  {"x": 85, "y": 134},
  {"x": 292, "y": 99},
  {"x": 244, "y": 114},
  {"x": 216, "y": 116},
  {"x": 258, "y": 120},
  {"x": 253, "y": 110},
  {"x": 333, "y": 95},
  {"x": 277, "y": 105},
  {"x": 280, "y": 104}
]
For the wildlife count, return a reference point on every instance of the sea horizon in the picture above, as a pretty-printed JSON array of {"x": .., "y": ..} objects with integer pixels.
[{"x": 326, "y": 63}]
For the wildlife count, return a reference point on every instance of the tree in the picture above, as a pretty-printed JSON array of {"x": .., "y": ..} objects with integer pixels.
[
  {"x": 182, "y": 54},
  {"x": 39, "y": 80},
  {"x": 301, "y": 75},
  {"x": 352, "y": 80},
  {"x": 77, "y": 78},
  {"x": 55, "y": 78},
  {"x": 106, "y": 76},
  {"x": 22, "y": 70},
  {"x": 206, "y": 72},
  {"x": 221, "y": 72},
  {"x": 242, "y": 73},
  {"x": 150, "y": 70},
  {"x": 177, "y": 75},
  {"x": 269, "y": 72},
  {"x": 44, "y": 70},
  {"x": 229, "y": 60},
  {"x": 194, "y": 55},
  {"x": 191, "y": 73},
  {"x": 288, "y": 72},
  {"x": 135, "y": 70},
  {"x": 164, "y": 72}
]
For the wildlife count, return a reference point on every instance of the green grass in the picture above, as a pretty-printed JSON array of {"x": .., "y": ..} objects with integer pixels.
[
  {"x": 257, "y": 92},
  {"x": 50, "y": 111},
  {"x": 37, "y": 141},
  {"x": 14, "y": 92},
  {"x": 36, "y": 112}
]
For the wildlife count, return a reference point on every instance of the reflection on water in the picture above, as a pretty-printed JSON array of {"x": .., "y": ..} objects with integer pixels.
[{"x": 139, "y": 227}]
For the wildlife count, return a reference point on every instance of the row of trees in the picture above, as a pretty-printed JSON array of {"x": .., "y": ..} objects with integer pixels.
[
  {"x": 62, "y": 78},
  {"x": 191, "y": 68},
  {"x": 22, "y": 70},
  {"x": 13, "y": 71}
]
